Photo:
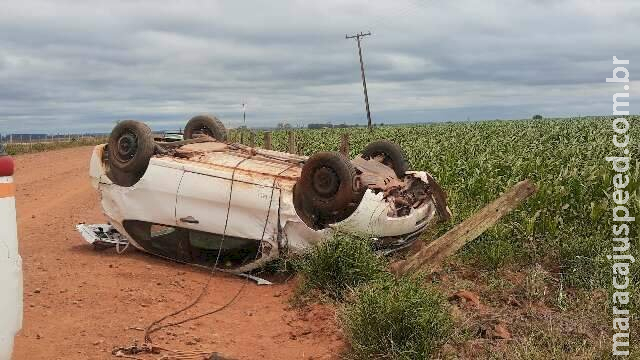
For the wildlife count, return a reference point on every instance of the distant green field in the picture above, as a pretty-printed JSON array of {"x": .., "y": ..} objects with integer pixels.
[
  {"x": 566, "y": 226},
  {"x": 26, "y": 148}
]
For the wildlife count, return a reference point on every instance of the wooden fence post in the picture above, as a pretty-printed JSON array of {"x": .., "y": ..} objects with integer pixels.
[
  {"x": 292, "y": 142},
  {"x": 267, "y": 140},
  {"x": 344, "y": 144}
]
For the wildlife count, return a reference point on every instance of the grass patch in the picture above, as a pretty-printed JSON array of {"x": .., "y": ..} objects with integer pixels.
[
  {"x": 338, "y": 264},
  {"x": 395, "y": 319}
]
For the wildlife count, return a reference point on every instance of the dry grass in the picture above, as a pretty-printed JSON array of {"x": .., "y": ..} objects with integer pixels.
[{"x": 544, "y": 319}]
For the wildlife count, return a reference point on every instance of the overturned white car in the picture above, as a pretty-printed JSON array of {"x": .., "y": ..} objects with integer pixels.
[{"x": 209, "y": 202}]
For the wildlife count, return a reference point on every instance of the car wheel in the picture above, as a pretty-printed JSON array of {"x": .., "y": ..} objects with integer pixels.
[
  {"x": 205, "y": 125},
  {"x": 391, "y": 155},
  {"x": 327, "y": 191},
  {"x": 130, "y": 147},
  {"x": 327, "y": 181}
]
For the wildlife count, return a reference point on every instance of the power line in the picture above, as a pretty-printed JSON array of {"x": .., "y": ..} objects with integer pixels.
[
  {"x": 399, "y": 10},
  {"x": 358, "y": 36}
]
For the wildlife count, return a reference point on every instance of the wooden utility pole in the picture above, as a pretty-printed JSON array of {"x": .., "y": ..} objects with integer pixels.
[
  {"x": 358, "y": 36},
  {"x": 430, "y": 257},
  {"x": 244, "y": 114}
]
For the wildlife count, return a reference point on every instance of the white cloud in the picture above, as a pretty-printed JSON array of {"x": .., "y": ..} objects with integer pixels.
[{"x": 71, "y": 65}]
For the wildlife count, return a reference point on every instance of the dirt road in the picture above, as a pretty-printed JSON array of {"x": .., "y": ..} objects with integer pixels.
[{"x": 80, "y": 303}]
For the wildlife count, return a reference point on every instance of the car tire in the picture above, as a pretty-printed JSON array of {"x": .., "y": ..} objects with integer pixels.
[
  {"x": 207, "y": 125},
  {"x": 327, "y": 182},
  {"x": 130, "y": 147},
  {"x": 393, "y": 155},
  {"x": 122, "y": 178}
]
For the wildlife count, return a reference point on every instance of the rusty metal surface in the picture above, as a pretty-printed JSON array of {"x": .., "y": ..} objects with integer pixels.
[
  {"x": 221, "y": 160},
  {"x": 211, "y": 146}
]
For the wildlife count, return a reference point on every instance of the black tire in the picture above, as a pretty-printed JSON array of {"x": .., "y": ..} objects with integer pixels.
[
  {"x": 327, "y": 181},
  {"x": 207, "y": 125},
  {"x": 122, "y": 178},
  {"x": 130, "y": 147},
  {"x": 393, "y": 155},
  {"x": 320, "y": 201}
]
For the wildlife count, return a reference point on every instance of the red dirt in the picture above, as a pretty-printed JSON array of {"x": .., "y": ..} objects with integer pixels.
[{"x": 80, "y": 303}]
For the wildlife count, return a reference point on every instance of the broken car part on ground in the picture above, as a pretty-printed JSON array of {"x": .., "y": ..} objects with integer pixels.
[{"x": 210, "y": 202}]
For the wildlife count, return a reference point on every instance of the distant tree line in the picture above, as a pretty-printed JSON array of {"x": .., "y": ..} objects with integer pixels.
[{"x": 331, "y": 126}]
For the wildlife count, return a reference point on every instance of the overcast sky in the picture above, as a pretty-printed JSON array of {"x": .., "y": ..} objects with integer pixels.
[{"x": 82, "y": 65}]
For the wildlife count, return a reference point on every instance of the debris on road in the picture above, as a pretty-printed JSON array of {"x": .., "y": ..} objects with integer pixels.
[
  {"x": 130, "y": 352},
  {"x": 102, "y": 236}
]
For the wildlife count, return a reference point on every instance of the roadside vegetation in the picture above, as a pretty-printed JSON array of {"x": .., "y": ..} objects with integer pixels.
[
  {"x": 381, "y": 316},
  {"x": 337, "y": 266},
  {"x": 34, "y": 147},
  {"x": 541, "y": 273},
  {"x": 395, "y": 319}
]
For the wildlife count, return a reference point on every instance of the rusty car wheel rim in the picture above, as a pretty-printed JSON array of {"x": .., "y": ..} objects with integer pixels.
[
  {"x": 325, "y": 182},
  {"x": 127, "y": 146}
]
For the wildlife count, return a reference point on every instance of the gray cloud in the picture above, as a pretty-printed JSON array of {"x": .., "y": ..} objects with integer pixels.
[{"x": 80, "y": 66}]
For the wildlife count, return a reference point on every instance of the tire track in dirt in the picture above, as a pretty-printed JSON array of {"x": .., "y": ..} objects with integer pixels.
[{"x": 80, "y": 303}]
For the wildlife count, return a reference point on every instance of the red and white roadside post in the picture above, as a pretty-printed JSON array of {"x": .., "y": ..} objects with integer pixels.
[{"x": 10, "y": 260}]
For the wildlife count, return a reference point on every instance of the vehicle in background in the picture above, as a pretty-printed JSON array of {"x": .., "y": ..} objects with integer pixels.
[
  {"x": 170, "y": 136},
  {"x": 205, "y": 201},
  {"x": 10, "y": 260}
]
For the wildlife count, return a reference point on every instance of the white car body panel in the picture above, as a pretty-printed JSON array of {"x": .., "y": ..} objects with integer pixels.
[{"x": 373, "y": 211}]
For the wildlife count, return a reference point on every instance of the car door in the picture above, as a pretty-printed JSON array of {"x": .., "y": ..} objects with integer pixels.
[
  {"x": 152, "y": 199},
  {"x": 202, "y": 202},
  {"x": 254, "y": 210}
]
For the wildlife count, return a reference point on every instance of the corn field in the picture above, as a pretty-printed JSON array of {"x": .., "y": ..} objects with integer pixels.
[{"x": 566, "y": 225}]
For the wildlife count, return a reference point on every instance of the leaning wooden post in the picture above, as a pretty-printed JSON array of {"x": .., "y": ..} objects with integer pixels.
[
  {"x": 292, "y": 142},
  {"x": 429, "y": 258},
  {"x": 267, "y": 140},
  {"x": 252, "y": 139},
  {"x": 344, "y": 144}
]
